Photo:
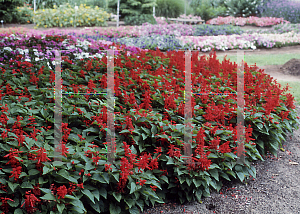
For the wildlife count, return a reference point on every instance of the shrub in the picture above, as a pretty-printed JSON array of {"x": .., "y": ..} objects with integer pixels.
[
  {"x": 149, "y": 127},
  {"x": 140, "y": 19},
  {"x": 242, "y": 8},
  {"x": 206, "y": 11},
  {"x": 8, "y": 10},
  {"x": 169, "y": 8},
  {"x": 25, "y": 14},
  {"x": 289, "y": 10},
  {"x": 132, "y": 8},
  {"x": 66, "y": 16}
]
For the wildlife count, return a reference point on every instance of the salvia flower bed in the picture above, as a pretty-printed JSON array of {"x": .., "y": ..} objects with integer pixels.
[{"x": 149, "y": 125}]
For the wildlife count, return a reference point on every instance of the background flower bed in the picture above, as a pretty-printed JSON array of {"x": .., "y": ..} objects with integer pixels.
[
  {"x": 67, "y": 16},
  {"x": 149, "y": 119}
]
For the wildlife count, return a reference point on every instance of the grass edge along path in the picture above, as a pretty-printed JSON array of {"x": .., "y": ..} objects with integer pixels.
[{"x": 271, "y": 59}]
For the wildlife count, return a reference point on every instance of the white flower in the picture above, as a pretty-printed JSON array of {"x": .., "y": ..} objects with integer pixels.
[{"x": 7, "y": 49}]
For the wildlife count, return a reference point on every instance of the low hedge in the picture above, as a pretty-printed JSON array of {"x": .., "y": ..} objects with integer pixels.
[{"x": 67, "y": 16}]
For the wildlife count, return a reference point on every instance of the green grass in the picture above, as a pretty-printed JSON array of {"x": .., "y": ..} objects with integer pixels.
[
  {"x": 270, "y": 59},
  {"x": 262, "y": 60}
]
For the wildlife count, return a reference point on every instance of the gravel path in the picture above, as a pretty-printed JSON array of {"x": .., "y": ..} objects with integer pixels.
[{"x": 276, "y": 188}]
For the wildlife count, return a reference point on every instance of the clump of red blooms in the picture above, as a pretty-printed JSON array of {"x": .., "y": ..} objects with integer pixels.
[{"x": 126, "y": 88}]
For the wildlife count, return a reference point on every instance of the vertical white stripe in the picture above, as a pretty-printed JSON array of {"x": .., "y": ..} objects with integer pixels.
[
  {"x": 188, "y": 107},
  {"x": 57, "y": 108},
  {"x": 110, "y": 136},
  {"x": 240, "y": 107}
]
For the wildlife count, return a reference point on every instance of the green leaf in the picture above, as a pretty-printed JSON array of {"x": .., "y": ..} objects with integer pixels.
[
  {"x": 114, "y": 209},
  {"x": 58, "y": 163},
  {"x": 214, "y": 166},
  {"x": 45, "y": 190},
  {"x": 219, "y": 132},
  {"x": 117, "y": 196},
  {"x": 60, "y": 207},
  {"x": 42, "y": 181},
  {"x": 44, "y": 113},
  {"x": 18, "y": 211},
  {"x": 116, "y": 176},
  {"x": 222, "y": 174},
  {"x": 198, "y": 194},
  {"x": 90, "y": 138},
  {"x": 134, "y": 210},
  {"x": 65, "y": 175},
  {"x": 49, "y": 196},
  {"x": 189, "y": 181},
  {"x": 214, "y": 173},
  {"x": 96, "y": 207},
  {"x": 212, "y": 155},
  {"x": 12, "y": 186},
  {"x": 132, "y": 187},
  {"x": 260, "y": 126},
  {"x": 164, "y": 178},
  {"x": 197, "y": 182},
  {"x": 33, "y": 172},
  {"x": 241, "y": 176},
  {"x": 238, "y": 168},
  {"x": 153, "y": 130},
  {"x": 231, "y": 173},
  {"x": 252, "y": 171},
  {"x": 77, "y": 203},
  {"x": 88, "y": 194},
  {"x": 147, "y": 131},
  {"x": 14, "y": 203},
  {"x": 46, "y": 170},
  {"x": 230, "y": 155},
  {"x": 170, "y": 160},
  {"x": 130, "y": 202},
  {"x": 103, "y": 192},
  {"x": 140, "y": 203},
  {"x": 96, "y": 194},
  {"x": 70, "y": 197},
  {"x": 144, "y": 136},
  {"x": 27, "y": 185}
]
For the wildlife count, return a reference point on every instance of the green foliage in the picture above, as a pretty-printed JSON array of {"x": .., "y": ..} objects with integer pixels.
[
  {"x": 25, "y": 14},
  {"x": 8, "y": 10},
  {"x": 43, "y": 4},
  {"x": 206, "y": 11},
  {"x": 139, "y": 19},
  {"x": 132, "y": 7},
  {"x": 169, "y": 8},
  {"x": 242, "y": 8},
  {"x": 66, "y": 16}
]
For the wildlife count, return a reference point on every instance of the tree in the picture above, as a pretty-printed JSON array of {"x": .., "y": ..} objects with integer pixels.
[
  {"x": 132, "y": 7},
  {"x": 8, "y": 12}
]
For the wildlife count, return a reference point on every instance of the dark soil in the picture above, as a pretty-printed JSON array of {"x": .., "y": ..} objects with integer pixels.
[{"x": 291, "y": 67}]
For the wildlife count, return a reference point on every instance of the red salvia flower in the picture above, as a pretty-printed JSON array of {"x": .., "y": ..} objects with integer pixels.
[
  {"x": 42, "y": 155},
  {"x": 143, "y": 162},
  {"x": 16, "y": 172},
  {"x": 224, "y": 148},
  {"x": 62, "y": 191},
  {"x": 30, "y": 202},
  {"x": 141, "y": 183}
]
